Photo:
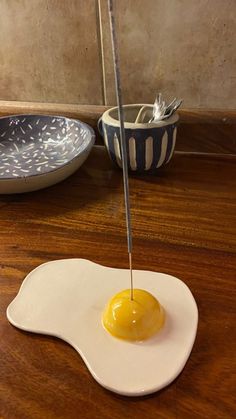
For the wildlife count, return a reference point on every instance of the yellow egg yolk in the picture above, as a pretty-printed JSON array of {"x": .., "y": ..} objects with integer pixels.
[{"x": 136, "y": 319}]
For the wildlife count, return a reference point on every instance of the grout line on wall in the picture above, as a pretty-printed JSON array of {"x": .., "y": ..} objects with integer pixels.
[{"x": 101, "y": 49}]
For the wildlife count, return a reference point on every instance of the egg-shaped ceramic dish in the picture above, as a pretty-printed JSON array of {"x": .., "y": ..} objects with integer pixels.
[{"x": 66, "y": 298}]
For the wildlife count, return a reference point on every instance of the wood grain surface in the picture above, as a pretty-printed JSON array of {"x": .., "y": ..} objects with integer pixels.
[
  {"x": 184, "y": 224},
  {"x": 202, "y": 130}
]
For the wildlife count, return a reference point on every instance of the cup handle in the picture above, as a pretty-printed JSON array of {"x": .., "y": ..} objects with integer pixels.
[{"x": 100, "y": 127}]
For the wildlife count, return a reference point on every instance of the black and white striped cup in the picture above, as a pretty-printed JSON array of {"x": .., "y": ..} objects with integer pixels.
[{"x": 149, "y": 145}]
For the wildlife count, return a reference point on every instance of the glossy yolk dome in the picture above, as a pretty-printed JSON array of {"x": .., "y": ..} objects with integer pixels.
[{"x": 136, "y": 319}]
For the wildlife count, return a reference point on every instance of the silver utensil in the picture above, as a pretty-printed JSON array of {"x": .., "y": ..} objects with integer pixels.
[
  {"x": 169, "y": 112},
  {"x": 162, "y": 111},
  {"x": 159, "y": 108}
]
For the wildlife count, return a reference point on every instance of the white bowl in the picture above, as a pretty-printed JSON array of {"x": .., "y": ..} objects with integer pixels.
[{"x": 66, "y": 298}]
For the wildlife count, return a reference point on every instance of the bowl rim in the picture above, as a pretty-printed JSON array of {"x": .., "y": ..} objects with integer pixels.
[
  {"x": 87, "y": 148},
  {"x": 109, "y": 120}
]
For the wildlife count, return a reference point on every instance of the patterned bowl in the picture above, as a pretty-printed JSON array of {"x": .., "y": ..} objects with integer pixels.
[
  {"x": 149, "y": 145},
  {"x": 37, "y": 151}
]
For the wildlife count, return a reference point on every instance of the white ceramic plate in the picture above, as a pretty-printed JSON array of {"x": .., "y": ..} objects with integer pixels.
[
  {"x": 37, "y": 151},
  {"x": 65, "y": 298}
]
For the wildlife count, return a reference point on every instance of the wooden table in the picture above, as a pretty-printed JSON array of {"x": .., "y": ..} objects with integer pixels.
[{"x": 184, "y": 224}]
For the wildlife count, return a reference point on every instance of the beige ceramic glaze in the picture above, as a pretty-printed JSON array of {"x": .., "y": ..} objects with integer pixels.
[
  {"x": 149, "y": 145},
  {"x": 66, "y": 298},
  {"x": 110, "y": 117}
]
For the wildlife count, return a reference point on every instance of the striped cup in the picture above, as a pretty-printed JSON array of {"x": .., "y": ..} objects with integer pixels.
[{"x": 149, "y": 145}]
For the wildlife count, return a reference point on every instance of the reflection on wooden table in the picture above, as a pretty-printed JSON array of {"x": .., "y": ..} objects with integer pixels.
[{"x": 184, "y": 224}]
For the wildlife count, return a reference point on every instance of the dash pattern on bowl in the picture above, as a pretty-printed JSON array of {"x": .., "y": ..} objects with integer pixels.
[
  {"x": 31, "y": 145},
  {"x": 147, "y": 150}
]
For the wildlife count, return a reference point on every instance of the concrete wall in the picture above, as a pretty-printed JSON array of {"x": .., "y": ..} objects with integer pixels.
[{"x": 53, "y": 50}]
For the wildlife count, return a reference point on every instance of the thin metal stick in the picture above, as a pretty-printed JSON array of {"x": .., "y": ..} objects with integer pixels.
[{"x": 122, "y": 137}]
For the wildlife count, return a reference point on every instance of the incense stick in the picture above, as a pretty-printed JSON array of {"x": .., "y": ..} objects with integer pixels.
[{"x": 122, "y": 137}]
